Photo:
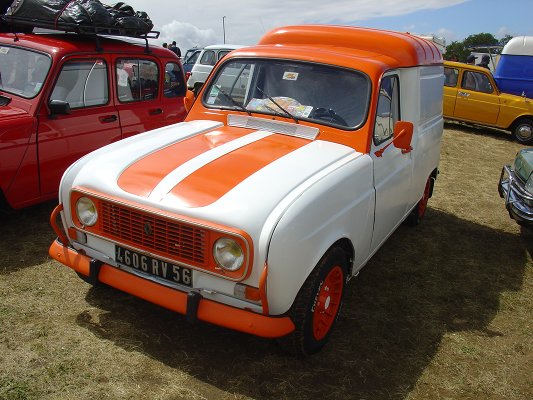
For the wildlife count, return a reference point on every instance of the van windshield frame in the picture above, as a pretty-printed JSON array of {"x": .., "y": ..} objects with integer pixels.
[{"x": 319, "y": 93}]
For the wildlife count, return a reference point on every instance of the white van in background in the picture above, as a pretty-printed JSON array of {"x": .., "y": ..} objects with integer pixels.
[{"x": 205, "y": 62}]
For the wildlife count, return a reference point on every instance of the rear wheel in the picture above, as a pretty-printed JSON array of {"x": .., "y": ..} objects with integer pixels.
[
  {"x": 523, "y": 131},
  {"x": 317, "y": 305},
  {"x": 418, "y": 213}
]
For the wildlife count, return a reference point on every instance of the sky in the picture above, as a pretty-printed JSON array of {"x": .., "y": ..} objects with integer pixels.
[{"x": 202, "y": 22}]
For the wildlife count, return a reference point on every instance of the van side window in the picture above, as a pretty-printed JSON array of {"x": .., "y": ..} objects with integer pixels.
[
  {"x": 388, "y": 112},
  {"x": 222, "y": 54},
  {"x": 174, "y": 85},
  {"x": 476, "y": 81},
  {"x": 137, "y": 80},
  {"x": 82, "y": 83},
  {"x": 450, "y": 76},
  {"x": 208, "y": 58}
]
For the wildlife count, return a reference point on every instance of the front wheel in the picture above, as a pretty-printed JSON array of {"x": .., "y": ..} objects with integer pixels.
[
  {"x": 317, "y": 305},
  {"x": 523, "y": 131}
]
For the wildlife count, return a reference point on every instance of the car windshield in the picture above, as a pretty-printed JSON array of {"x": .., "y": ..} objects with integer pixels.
[
  {"x": 302, "y": 91},
  {"x": 22, "y": 72}
]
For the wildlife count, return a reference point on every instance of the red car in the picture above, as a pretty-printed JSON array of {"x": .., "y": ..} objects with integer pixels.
[{"x": 64, "y": 95}]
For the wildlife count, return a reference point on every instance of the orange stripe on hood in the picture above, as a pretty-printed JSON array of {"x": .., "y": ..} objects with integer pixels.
[
  {"x": 142, "y": 177},
  {"x": 209, "y": 183}
]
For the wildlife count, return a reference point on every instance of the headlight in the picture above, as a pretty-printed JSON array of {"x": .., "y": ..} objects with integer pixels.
[
  {"x": 228, "y": 254},
  {"x": 86, "y": 211}
]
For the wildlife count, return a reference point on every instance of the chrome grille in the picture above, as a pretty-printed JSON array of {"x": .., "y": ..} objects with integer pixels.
[{"x": 159, "y": 235}]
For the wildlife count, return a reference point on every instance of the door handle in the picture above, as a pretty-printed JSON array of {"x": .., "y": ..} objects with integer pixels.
[
  {"x": 463, "y": 94},
  {"x": 108, "y": 118},
  {"x": 156, "y": 111}
]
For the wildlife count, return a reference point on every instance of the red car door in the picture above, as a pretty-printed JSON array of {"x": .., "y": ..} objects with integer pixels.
[
  {"x": 174, "y": 91},
  {"x": 92, "y": 122},
  {"x": 139, "y": 95}
]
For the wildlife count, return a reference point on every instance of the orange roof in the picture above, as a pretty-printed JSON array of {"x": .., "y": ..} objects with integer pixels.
[{"x": 402, "y": 49}]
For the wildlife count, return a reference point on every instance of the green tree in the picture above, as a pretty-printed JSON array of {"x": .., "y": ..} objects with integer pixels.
[
  {"x": 456, "y": 51},
  {"x": 480, "y": 39},
  {"x": 459, "y": 51},
  {"x": 503, "y": 41}
]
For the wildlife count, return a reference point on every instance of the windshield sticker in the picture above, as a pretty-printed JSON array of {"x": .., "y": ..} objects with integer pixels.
[
  {"x": 4, "y": 50},
  {"x": 290, "y": 76},
  {"x": 213, "y": 94}
]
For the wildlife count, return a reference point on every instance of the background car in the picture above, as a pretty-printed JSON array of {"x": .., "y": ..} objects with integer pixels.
[
  {"x": 205, "y": 62},
  {"x": 514, "y": 71},
  {"x": 516, "y": 187},
  {"x": 62, "y": 96},
  {"x": 189, "y": 59},
  {"x": 471, "y": 95}
]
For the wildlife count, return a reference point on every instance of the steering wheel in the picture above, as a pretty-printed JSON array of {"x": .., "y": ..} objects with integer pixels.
[{"x": 328, "y": 115}]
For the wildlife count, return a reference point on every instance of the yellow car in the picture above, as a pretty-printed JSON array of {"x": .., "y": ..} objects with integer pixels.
[{"x": 471, "y": 95}]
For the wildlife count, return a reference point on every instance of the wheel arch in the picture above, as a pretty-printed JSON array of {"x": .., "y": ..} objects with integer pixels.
[
  {"x": 433, "y": 177},
  {"x": 4, "y": 204},
  {"x": 517, "y": 120},
  {"x": 522, "y": 120},
  {"x": 347, "y": 247},
  {"x": 336, "y": 210}
]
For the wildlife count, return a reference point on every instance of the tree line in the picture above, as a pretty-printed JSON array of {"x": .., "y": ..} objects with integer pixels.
[{"x": 459, "y": 51}]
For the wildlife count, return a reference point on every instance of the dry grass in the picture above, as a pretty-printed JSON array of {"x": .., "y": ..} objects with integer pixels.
[{"x": 443, "y": 311}]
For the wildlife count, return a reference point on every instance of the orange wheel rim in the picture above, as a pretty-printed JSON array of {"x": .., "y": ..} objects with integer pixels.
[{"x": 327, "y": 303}]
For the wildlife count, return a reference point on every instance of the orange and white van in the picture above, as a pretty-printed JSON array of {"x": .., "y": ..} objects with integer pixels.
[{"x": 298, "y": 159}]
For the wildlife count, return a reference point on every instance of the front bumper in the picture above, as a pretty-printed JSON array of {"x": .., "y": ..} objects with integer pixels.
[
  {"x": 194, "y": 306},
  {"x": 517, "y": 199}
]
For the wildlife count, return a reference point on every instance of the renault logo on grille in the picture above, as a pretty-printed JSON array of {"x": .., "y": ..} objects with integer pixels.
[{"x": 148, "y": 229}]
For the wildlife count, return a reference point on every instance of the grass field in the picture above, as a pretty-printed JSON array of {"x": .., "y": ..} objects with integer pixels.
[{"x": 442, "y": 311}]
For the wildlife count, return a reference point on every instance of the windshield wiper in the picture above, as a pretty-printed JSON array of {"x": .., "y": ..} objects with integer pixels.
[
  {"x": 227, "y": 96},
  {"x": 288, "y": 114}
]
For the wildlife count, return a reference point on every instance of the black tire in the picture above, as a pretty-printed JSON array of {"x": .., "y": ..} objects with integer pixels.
[
  {"x": 523, "y": 131},
  {"x": 417, "y": 214},
  {"x": 323, "y": 291}
]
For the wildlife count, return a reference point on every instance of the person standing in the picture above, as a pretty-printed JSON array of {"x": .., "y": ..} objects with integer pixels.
[
  {"x": 484, "y": 61},
  {"x": 175, "y": 48}
]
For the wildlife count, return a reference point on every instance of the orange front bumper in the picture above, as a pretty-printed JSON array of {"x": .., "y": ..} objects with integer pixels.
[{"x": 208, "y": 310}]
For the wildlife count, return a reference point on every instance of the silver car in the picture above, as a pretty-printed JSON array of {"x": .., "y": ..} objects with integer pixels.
[
  {"x": 205, "y": 63},
  {"x": 516, "y": 187}
]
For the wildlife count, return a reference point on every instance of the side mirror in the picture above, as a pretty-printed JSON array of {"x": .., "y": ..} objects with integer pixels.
[
  {"x": 188, "y": 100},
  {"x": 59, "y": 107},
  {"x": 402, "y": 136}
]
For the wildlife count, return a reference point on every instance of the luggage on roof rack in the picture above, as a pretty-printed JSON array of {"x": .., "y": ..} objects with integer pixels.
[{"x": 80, "y": 16}]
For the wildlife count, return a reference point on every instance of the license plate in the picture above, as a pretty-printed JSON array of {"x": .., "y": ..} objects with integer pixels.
[{"x": 153, "y": 266}]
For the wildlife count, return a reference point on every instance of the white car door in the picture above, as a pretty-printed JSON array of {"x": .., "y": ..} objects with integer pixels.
[{"x": 392, "y": 167}]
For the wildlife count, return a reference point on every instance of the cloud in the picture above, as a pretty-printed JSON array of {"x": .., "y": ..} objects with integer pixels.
[
  {"x": 200, "y": 21},
  {"x": 504, "y": 31},
  {"x": 448, "y": 35},
  {"x": 186, "y": 35}
]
